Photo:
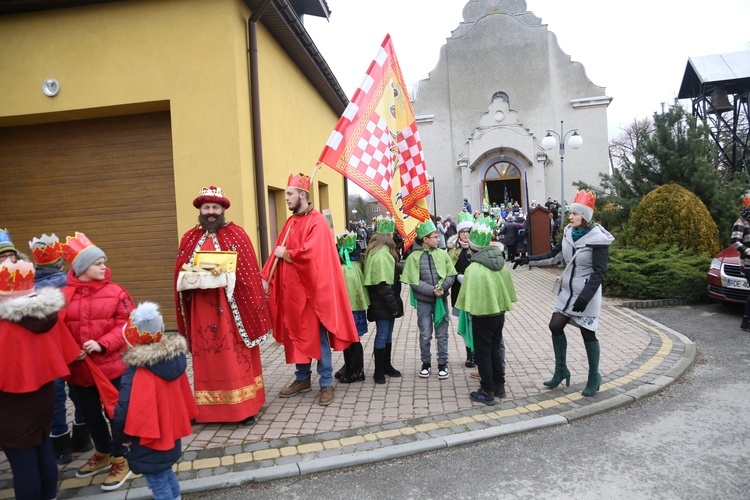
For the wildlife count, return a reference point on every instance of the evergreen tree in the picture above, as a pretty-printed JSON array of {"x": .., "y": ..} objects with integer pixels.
[{"x": 675, "y": 149}]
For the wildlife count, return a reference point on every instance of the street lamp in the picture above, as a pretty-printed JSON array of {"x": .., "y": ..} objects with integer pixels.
[{"x": 550, "y": 141}]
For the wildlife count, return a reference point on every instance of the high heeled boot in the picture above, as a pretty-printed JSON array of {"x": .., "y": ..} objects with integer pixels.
[
  {"x": 560, "y": 345},
  {"x": 344, "y": 369},
  {"x": 356, "y": 371},
  {"x": 595, "y": 378},
  {"x": 379, "y": 375},
  {"x": 388, "y": 369}
]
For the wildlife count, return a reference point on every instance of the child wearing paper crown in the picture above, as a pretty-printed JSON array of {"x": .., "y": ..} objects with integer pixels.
[
  {"x": 46, "y": 252},
  {"x": 156, "y": 402},
  {"x": 97, "y": 310},
  {"x": 349, "y": 253},
  {"x": 458, "y": 249},
  {"x": 487, "y": 293},
  {"x": 585, "y": 249},
  {"x": 382, "y": 273},
  {"x": 430, "y": 272},
  {"x": 35, "y": 349}
]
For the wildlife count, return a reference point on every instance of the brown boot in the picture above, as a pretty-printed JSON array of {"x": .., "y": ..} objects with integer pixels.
[
  {"x": 297, "y": 387},
  {"x": 98, "y": 463},
  {"x": 326, "y": 396},
  {"x": 119, "y": 472}
]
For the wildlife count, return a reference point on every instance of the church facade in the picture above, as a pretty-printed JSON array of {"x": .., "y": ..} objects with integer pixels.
[{"x": 501, "y": 82}]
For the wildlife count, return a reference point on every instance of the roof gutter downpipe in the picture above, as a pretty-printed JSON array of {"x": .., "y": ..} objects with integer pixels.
[{"x": 260, "y": 178}]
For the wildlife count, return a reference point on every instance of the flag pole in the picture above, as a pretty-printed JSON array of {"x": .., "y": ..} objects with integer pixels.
[{"x": 283, "y": 242}]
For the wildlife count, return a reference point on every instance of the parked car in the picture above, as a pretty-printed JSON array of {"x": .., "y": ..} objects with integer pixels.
[{"x": 725, "y": 278}]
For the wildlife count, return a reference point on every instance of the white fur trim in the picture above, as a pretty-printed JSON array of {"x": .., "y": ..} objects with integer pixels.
[{"x": 44, "y": 302}]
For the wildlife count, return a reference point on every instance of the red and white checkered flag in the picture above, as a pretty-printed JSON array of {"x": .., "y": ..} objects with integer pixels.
[{"x": 376, "y": 144}]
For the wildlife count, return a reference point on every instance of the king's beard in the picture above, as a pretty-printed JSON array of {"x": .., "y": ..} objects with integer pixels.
[{"x": 211, "y": 226}]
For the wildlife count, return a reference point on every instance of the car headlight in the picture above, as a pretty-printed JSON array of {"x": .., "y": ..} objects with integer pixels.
[{"x": 715, "y": 264}]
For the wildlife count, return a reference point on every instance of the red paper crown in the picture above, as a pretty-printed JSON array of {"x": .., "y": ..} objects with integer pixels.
[
  {"x": 299, "y": 181},
  {"x": 133, "y": 336},
  {"x": 16, "y": 278},
  {"x": 211, "y": 194},
  {"x": 45, "y": 250},
  {"x": 73, "y": 246},
  {"x": 586, "y": 198}
]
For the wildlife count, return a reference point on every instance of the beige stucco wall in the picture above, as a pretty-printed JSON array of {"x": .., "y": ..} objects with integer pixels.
[{"x": 188, "y": 56}]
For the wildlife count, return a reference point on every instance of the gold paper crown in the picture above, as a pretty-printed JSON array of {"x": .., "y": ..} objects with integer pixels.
[
  {"x": 347, "y": 240},
  {"x": 385, "y": 225},
  {"x": 45, "y": 250},
  {"x": 586, "y": 198},
  {"x": 482, "y": 232},
  {"x": 299, "y": 181},
  {"x": 16, "y": 278},
  {"x": 74, "y": 245}
]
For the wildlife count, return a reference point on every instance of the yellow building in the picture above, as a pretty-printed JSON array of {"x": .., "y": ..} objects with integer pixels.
[{"x": 113, "y": 114}]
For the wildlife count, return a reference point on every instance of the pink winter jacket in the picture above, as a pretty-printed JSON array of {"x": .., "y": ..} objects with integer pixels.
[{"x": 97, "y": 310}]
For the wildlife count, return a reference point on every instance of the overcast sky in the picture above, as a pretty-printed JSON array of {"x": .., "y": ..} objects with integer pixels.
[{"x": 637, "y": 49}]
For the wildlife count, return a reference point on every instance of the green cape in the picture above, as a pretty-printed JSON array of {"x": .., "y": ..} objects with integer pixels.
[
  {"x": 485, "y": 292},
  {"x": 380, "y": 267},
  {"x": 442, "y": 260},
  {"x": 358, "y": 297}
]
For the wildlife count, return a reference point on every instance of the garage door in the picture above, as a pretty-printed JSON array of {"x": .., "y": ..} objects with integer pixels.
[{"x": 110, "y": 178}]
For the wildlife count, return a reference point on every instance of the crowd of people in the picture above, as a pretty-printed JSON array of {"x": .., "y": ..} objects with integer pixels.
[{"x": 314, "y": 295}]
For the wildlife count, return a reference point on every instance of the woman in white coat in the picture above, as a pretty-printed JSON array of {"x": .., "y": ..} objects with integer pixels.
[{"x": 585, "y": 249}]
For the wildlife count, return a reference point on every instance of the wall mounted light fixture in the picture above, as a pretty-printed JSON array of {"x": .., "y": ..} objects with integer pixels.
[{"x": 51, "y": 87}]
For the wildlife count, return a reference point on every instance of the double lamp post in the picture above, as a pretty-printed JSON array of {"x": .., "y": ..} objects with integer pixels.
[{"x": 550, "y": 141}]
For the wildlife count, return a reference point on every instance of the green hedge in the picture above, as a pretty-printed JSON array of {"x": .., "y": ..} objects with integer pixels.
[{"x": 660, "y": 273}]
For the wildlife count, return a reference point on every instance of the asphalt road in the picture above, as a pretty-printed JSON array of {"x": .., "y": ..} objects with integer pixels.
[{"x": 690, "y": 441}]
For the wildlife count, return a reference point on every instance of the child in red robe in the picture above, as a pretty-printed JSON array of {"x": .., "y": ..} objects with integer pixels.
[{"x": 156, "y": 403}]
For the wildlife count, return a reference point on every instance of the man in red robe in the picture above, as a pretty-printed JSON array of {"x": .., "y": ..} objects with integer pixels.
[
  {"x": 307, "y": 293},
  {"x": 223, "y": 331}
]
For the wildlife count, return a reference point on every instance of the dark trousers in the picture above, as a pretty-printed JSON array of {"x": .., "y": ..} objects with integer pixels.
[
  {"x": 34, "y": 471},
  {"x": 747, "y": 303},
  {"x": 488, "y": 333},
  {"x": 512, "y": 250},
  {"x": 96, "y": 422}
]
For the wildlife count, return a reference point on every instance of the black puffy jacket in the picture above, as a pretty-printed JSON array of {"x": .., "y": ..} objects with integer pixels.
[{"x": 385, "y": 299}]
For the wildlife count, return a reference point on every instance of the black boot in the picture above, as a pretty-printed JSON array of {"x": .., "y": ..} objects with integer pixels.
[
  {"x": 389, "y": 369},
  {"x": 469, "y": 359},
  {"x": 745, "y": 325},
  {"x": 379, "y": 375},
  {"x": 81, "y": 440},
  {"x": 356, "y": 362},
  {"x": 61, "y": 447},
  {"x": 344, "y": 369}
]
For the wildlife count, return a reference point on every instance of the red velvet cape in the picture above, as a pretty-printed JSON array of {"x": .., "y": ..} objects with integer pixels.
[
  {"x": 29, "y": 360},
  {"x": 159, "y": 412},
  {"x": 248, "y": 291},
  {"x": 308, "y": 291}
]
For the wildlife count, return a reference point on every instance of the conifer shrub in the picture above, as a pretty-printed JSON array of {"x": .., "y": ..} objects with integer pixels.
[
  {"x": 662, "y": 272},
  {"x": 670, "y": 215}
]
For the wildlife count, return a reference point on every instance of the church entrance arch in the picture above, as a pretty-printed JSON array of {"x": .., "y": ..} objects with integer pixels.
[{"x": 503, "y": 182}]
